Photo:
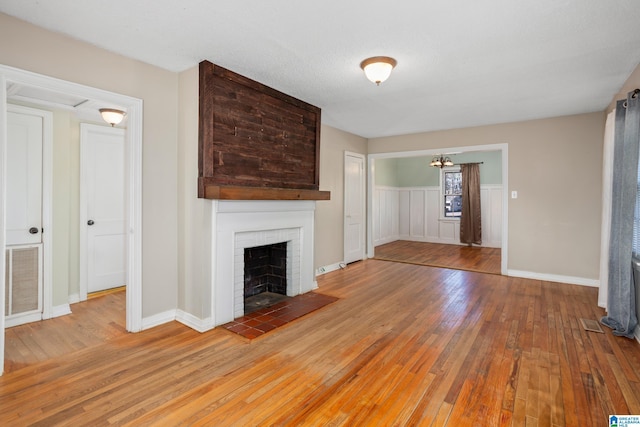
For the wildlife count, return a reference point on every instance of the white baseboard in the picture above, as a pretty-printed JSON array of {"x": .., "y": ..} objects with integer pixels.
[
  {"x": 188, "y": 319},
  {"x": 386, "y": 240},
  {"x": 60, "y": 310},
  {"x": 21, "y": 319},
  {"x": 594, "y": 283},
  {"x": 158, "y": 319},
  {"x": 329, "y": 268}
]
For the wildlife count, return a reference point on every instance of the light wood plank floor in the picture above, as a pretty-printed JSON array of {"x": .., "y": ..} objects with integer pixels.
[
  {"x": 459, "y": 257},
  {"x": 404, "y": 345}
]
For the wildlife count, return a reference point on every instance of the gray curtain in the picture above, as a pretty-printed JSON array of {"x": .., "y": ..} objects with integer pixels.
[
  {"x": 470, "y": 217},
  {"x": 621, "y": 316}
]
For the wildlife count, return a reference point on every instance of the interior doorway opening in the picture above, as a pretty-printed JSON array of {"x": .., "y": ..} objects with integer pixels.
[
  {"x": 23, "y": 86},
  {"x": 406, "y": 205}
]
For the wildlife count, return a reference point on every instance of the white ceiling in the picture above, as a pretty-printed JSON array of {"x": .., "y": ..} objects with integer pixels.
[{"x": 460, "y": 62}]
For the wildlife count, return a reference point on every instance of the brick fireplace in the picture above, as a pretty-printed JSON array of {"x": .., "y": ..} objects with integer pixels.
[
  {"x": 242, "y": 224},
  {"x": 265, "y": 269}
]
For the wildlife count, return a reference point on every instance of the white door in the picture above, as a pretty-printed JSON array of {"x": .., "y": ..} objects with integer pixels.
[
  {"x": 24, "y": 280},
  {"x": 24, "y": 178},
  {"x": 102, "y": 208},
  {"x": 354, "y": 207}
]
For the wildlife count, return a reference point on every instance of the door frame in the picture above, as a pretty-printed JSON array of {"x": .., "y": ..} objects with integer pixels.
[
  {"x": 363, "y": 191},
  {"x": 502, "y": 147},
  {"x": 133, "y": 168},
  {"x": 47, "y": 208}
]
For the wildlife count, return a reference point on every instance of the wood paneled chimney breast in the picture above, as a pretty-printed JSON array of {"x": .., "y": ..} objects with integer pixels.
[{"x": 255, "y": 143}]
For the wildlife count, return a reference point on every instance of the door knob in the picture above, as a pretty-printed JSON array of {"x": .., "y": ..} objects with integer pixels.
[
  {"x": 33, "y": 230},
  {"x": 90, "y": 222}
]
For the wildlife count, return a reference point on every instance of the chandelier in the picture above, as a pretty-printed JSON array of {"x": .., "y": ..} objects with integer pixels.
[{"x": 441, "y": 162}]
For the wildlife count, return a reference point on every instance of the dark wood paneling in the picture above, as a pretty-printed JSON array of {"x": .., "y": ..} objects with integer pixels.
[
  {"x": 251, "y": 135},
  {"x": 228, "y": 192}
]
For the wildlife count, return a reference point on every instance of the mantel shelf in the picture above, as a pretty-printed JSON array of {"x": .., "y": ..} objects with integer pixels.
[{"x": 223, "y": 192}]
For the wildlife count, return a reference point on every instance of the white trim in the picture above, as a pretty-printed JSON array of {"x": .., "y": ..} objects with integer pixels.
[
  {"x": 200, "y": 325},
  {"x": 503, "y": 147},
  {"x": 47, "y": 215},
  {"x": 329, "y": 268},
  {"x": 22, "y": 318},
  {"x": 3, "y": 198},
  {"x": 133, "y": 139},
  {"x": 582, "y": 281},
  {"x": 605, "y": 228},
  {"x": 158, "y": 319},
  {"x": 133, "y": 106},
  {"x": 74, "y": 298},
  {"x": 505, "y": 208},
  {"x": 60, "y": 310},
  {"x": 442, "y": 171}
]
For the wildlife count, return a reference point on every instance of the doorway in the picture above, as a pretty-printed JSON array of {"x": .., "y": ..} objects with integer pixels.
[
  {"x": 102, "y": 209},
  {"x": 401, "y": 210},
  {"x": 11, "y": 80}
]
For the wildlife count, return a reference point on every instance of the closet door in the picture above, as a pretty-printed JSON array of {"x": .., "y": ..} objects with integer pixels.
[{"x": 23, "y": 291}]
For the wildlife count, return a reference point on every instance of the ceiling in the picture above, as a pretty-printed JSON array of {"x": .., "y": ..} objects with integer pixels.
[{"x": 461, "y": 63}]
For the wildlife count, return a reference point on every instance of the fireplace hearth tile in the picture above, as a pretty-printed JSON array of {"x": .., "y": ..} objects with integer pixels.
[{"x": 270, "y": 318}]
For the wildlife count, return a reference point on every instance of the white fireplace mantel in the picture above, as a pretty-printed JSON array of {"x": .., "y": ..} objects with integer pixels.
[{"x": 263, "y": 220}]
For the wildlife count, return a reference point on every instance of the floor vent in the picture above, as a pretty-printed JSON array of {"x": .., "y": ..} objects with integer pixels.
[{"x": 591, "y": 325}]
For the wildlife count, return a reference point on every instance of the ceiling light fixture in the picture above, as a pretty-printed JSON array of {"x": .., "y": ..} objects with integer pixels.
[
  {"x": 112, "y": 116},
  {"x": 378, "y": 68},
  {"x": 441, "y": 162}
]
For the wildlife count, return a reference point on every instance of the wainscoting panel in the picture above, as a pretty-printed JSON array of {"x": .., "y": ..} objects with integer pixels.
[
  {"x": 433, "y": 213},
  {"x": 414, "y": 214},
  {"x": 491, "y": 205},
  {"x": 385, "y": 215},
  {"x": 417, "y": 215},
  {"x": 404, "y": 212}
]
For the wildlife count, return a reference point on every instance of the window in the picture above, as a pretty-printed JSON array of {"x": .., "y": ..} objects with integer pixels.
[{"x": 452, "y": 189}]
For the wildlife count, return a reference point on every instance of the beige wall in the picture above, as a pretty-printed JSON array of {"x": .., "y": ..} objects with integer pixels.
[
  {"x": 329, "y": 240},
  {"x": 556, "y": 167},
  {"x": 35, "y": 49},
  {"x": 65, "y": 206},
  {"x": 194, "y": 295}
]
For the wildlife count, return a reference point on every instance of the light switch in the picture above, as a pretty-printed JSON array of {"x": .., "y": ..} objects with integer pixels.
[{"x": 514, "y": 194}]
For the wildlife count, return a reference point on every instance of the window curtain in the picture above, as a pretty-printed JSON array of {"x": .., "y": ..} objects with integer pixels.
[
  {"x": 470, "y": 217},
  {"x": 621, "y": 300}
]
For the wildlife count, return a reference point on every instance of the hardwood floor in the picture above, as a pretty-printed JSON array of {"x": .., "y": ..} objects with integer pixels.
[
  {"x": 99, "y": 319},
  {"x": 476, "y": 258},
  {"x": 404, "y": 345}
]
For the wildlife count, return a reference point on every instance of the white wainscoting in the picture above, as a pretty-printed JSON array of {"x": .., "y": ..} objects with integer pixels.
[{"x": 414, "y": 214}]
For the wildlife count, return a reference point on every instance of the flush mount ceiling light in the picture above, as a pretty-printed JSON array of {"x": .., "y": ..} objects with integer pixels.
[
  {"x": 112, "y": 116},
  {"x": 378, "y": 68},
  {"x": 441, "y": 162}
]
